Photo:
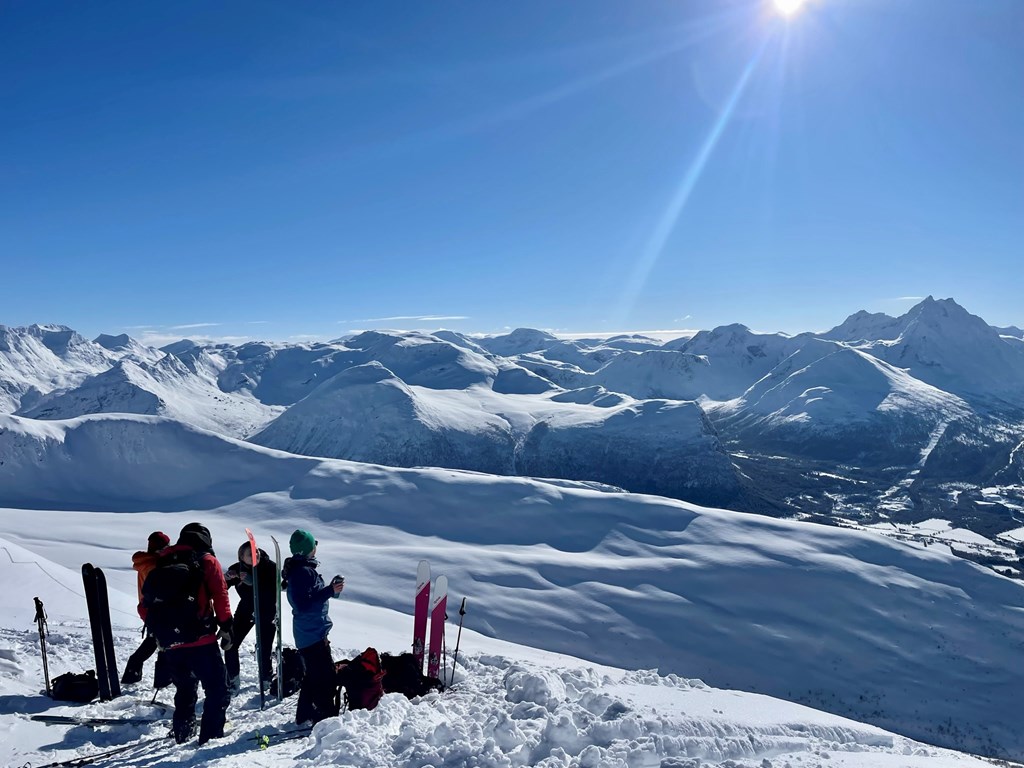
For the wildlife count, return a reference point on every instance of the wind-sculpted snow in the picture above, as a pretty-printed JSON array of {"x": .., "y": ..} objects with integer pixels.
[
  {"x": 905, "y": 637},
  {"x": 130, "y": 463}
]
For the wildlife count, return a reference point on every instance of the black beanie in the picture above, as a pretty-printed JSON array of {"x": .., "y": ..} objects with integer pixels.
[{"x": 197, "y": 536}]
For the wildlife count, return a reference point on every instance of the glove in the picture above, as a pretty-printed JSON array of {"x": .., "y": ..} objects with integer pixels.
[
  {"x": 225, "y": 633},
  {"x": 231, "y": 576}
]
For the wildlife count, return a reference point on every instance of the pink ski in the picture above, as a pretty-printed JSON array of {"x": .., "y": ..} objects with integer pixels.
[
  {"x": 438, "y": 614},
  {"x": 419, "y": 625}
]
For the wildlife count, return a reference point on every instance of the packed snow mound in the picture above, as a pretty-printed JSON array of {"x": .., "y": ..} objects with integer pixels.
[
  {"x": 856, "y": 623},
  {"x": 518, "y": 342},
  {"x": 366, "y": 413},
  {"x": 121, "y": 461},
  {"x": 183, "y": 388}
]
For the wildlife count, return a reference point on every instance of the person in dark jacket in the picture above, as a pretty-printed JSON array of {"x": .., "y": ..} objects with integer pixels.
[
  {"x": 143, "y": 563},
  {"x": 199, "y": 661},
  {"x": 240, "y": 576},
  {"x": 309, "y": 598}
]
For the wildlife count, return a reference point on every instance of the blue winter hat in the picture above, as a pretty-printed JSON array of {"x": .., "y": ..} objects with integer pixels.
[{"x": 302, "y": 542}]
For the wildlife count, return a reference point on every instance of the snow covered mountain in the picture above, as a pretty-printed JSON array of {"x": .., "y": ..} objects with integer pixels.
[
  {"x": 847, "y": 621},
  {"x": 893, "y": 408},
  {"x": 942, "y": 344},
  {"x": 367, "y": 413},
  {"x": 845, "y": 405},
  {"x": 41, "y": 358},
  {"x": 179, "y": 388}
]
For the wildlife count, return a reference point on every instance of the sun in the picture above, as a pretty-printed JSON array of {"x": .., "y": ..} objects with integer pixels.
[{"x": 789, "y": 7}]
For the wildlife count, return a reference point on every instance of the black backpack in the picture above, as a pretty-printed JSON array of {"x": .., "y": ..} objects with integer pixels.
[
  {"x": 294, "y": 669},
  {"x": 81, "y": 687},
  {"x": 403, "y": 675},
  {"x": 170, "y": 595}
]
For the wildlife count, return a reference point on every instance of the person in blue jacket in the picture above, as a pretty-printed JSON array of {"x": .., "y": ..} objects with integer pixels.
[{"x": 309, "y": 598}]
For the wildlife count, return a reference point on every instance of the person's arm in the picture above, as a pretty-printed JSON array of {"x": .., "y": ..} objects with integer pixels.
[
  {"x": 303, "y": 591},
  {"x": 216, "y": 588},
  {"x": 233, "y": 575}
]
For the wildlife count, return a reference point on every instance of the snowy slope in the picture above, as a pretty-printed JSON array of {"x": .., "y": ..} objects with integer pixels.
[
  {"x": 511, "y": 705},
  {"x": 942, "y": 344},
  {"x": 180, "y": 388},
  {"x": 844, "y": 405},
  {"x": 40, "y": 358},
  {"x": 738, "y": 357},
  {"x": 369, "y": 414},
  {"x": 518, "y": 342},
  {"x": 366, "y": 413},
  {"x": 866, "y": 326},
  {"x": 907, "y": 638}
]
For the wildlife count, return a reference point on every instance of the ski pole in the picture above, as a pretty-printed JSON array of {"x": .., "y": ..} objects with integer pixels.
[
  {"x": 444, "y": 651},
  {"x": 455, "y": 657},
  {"x": 40, "y": 621}
]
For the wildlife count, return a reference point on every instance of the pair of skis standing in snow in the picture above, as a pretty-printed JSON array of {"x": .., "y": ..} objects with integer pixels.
[{"x": 436, "y": 610}]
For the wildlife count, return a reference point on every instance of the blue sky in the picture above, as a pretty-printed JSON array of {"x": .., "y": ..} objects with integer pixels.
[{"x": 277, "y": 169}]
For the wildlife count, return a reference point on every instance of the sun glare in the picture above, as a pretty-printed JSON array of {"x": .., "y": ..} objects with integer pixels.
[{"x": 788, "y": 7}]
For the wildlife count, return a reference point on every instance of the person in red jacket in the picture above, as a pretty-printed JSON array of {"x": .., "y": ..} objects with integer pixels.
[
  {"x": 199, "y": 661},
  {"x": 143, "y": 563}
]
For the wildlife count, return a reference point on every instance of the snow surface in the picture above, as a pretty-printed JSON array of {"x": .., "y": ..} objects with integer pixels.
[
  {"x": 510, "y": 705},
  {"x": 908, "y": 638}
]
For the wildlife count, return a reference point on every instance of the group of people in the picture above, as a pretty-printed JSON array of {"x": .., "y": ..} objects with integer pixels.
[{"x": 195, "y": 658}]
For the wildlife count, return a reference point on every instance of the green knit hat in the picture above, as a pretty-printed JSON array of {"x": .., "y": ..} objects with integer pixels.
[{"x": 302, "y": 542}]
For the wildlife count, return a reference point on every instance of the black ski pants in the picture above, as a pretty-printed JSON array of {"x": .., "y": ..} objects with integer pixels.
[
  {"x": 267, "y": 631},
  {"x": 189, "y": 667},
  {"x": 133, "y": 669},
  {"x": 318, "y": 694}
]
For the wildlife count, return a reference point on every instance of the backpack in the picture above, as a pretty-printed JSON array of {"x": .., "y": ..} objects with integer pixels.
[
  {"x": 294, "y": 669},
  {"x": 362, "y": 680},
  {"x": 403, "y": 675},
  {"x": 170, "y": 595},
  {"x": 82, "y": 687}
]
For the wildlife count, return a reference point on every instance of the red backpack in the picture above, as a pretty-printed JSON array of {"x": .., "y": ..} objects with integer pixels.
[{"x": 362, "y": 678}]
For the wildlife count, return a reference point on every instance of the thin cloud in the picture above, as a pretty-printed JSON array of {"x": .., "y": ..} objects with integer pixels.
[
  {"x": 909, "y": 298},
  {"x": 406, "y": 317},
  {"x": 193, "y": 325}
]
